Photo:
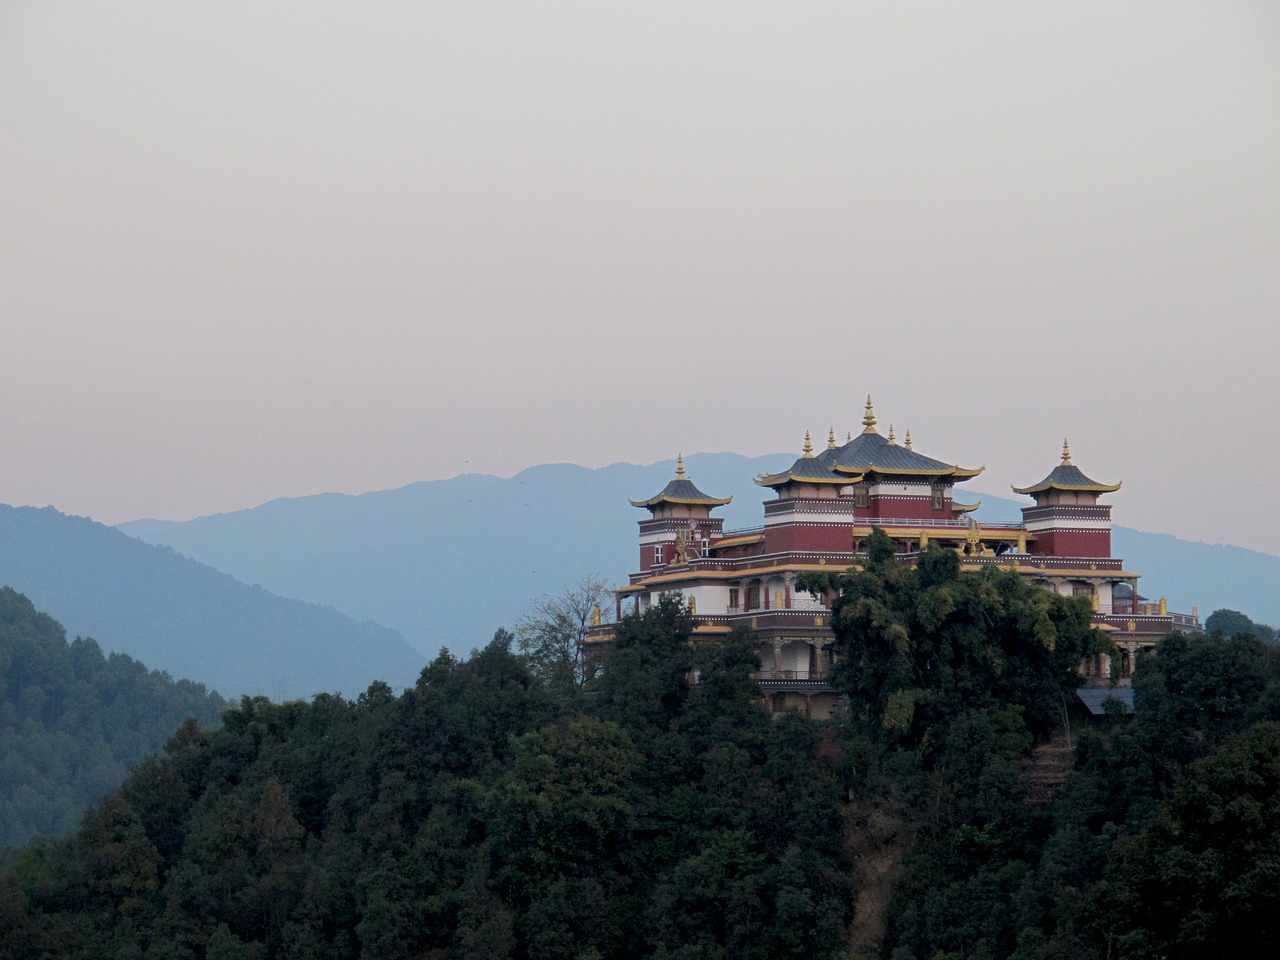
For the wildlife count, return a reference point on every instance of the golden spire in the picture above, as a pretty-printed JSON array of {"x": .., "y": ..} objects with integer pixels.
[
  {"x": 891, "y": 440},
  {"x": 831, "y": 438},
  {"x": 908, "y": 438},
  {"x": 1066, "y": 453},
  {"x": 869, "y": 418},
  {"x": 680, "y": 467},
  {"x": 808, "y": 447}
]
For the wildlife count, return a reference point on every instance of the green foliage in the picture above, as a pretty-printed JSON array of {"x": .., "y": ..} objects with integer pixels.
[
  {"x": 480, "y": 814},
  {"x": 919, "y": 646},
  {"x": 73, "y": 722},
  {"x": 1162, "y": 842},
  {"x": 1231, "y": 622},
  {"x": 488, "y": 813}
]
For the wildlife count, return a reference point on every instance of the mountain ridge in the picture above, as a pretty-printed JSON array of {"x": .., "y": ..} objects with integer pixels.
[
  {"x": 188, "y": 619},
  {"x": 448, "y": 561}
]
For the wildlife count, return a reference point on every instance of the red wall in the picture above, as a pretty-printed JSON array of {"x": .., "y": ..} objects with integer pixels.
[
  {"x": 1064, "y": 543},
  {"x": 825, "y": 537}
]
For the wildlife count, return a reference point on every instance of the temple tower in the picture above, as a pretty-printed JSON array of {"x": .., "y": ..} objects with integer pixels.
[
  {"x": 1067, "y": 519},
  {"x": 680, "y": 526}
]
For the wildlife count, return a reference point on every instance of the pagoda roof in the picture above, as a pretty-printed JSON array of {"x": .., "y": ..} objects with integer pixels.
[
  {"x": 808, "y": 469},
  {"x": 1067, "y": 476},
  {"x": 869, "y": 452},
  {"x": 681, "y": 490}
]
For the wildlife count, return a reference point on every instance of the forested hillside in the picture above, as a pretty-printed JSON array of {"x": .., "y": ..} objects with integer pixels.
[
  {"x": 1164, "y": 840},
  {"x": 73, "y": 723},
  {"x": 474, "y": 816},
  {"x": 496, "y": 811}
]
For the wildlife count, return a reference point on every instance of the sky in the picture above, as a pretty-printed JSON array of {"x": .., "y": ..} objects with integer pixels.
[{"x": 256, "y": 250}]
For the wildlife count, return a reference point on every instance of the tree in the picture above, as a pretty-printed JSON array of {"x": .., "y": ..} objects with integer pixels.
[
  {"x": 918, "y": 646},
  {"x": 1201, "y": 880},
  {"x": 553, "y": 633},
  {"x": 1231, "y": 622}
]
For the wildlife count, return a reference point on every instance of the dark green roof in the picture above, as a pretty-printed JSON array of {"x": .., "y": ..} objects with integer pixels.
[
  {"x": 681, "y": 490},
  {"x": 871, "y": 453},
  {"x": 1067, "y": 476},
  {"x": 1095, "y": 699},
  {"x": 808, "y": 469}
]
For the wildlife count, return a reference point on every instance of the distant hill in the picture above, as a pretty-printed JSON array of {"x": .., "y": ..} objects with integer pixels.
[
  {"x": 447, "y": 562},
  {"x": 73, "y": 723},
  {"x": 189, "y": 619}
]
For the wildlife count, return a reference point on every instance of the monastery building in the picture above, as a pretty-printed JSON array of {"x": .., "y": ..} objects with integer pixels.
[{"x": 822, "y": 510}]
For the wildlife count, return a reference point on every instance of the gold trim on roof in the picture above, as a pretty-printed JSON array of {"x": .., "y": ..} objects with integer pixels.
[
  {"x": 952, "y": 471},
  {"x": 683, "y": 501},
  {"x": 1047, "y": 484},
  {"x": 778, "y": 479},
  {"x": 737, "y": 541}
]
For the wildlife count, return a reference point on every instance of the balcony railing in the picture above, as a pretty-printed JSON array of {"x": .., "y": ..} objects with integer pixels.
[
  {"x": 920, "y": 522},
  {"x": 789, "y": 675},
  {"x": 808, "y": 606}
]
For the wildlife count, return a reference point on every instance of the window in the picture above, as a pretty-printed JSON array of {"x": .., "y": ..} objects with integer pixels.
[
  {"x": 657, "y": 554},
  {"x": 733, "y": 597},
  {"x": 937, "y": 497},
  {"x": 861, "y": 498},
  {"x": 753, "y": 598}
]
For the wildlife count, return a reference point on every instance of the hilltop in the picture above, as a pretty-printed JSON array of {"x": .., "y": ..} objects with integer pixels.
[{"x": 485, "y": 813}]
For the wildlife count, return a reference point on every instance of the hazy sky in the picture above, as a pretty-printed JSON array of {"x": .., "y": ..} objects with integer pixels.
[{"x": 251, "y": 250}]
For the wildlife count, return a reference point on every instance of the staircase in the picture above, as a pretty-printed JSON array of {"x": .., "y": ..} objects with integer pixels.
[{"x": 1047, "y": 768}]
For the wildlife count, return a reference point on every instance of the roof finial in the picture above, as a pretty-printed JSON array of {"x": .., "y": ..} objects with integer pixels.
[
  {"x": 869, "y": 418},
  {"x": 849, "y": 436},
  {"x": 831, "y": 438},
  {"x": 808, "y": 446},
  {"x": 908, "y": 438},
  {"x": 680, "y": 467},
  {"x": 891, "y": 440},
  {"x": 1066, "y": 452}
]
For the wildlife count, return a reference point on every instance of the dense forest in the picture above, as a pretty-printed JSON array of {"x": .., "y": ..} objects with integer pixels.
[
  {"x": 1164, "y": 839},
  {"x": 499, "y": 809},
  {"x": 73, "y": 723}
]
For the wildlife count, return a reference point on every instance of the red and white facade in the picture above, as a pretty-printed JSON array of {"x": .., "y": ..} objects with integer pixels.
[{"x": 822, "y": 510}]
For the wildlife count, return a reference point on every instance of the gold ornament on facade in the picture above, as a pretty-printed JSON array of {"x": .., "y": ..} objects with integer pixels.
[{"x": 682, "y": 547}]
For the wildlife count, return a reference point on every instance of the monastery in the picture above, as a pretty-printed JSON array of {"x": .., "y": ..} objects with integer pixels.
[{"x": 822, "y": 510}]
